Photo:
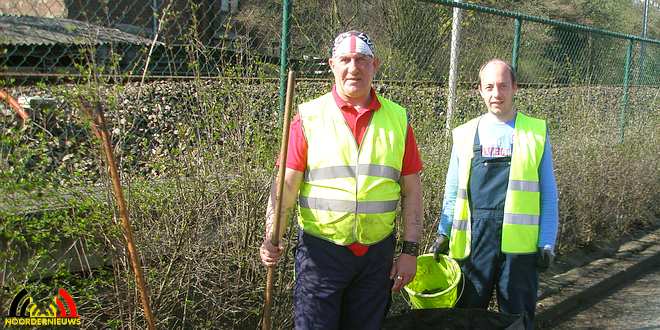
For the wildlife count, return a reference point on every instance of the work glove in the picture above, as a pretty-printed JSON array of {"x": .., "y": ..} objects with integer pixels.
[
  {"x": 440, "y": 246},
  {"x": 544, "y": 257}
]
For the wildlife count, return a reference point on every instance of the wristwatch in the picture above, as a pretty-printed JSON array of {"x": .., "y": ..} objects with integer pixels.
[{"x": 411, "y": 248}]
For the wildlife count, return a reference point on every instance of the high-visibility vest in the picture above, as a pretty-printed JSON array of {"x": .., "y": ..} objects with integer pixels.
[
  {"x": 350, "y": 194},
  {"x": 522, "y": 206}
]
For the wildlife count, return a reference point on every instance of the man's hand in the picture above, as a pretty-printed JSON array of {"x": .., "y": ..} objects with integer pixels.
[
  {"x": 403, "y": 271},
  {"x": 440, "y": 246},
  {"x": 544, "y": 258},
  {"x": 269, "y": 253}
]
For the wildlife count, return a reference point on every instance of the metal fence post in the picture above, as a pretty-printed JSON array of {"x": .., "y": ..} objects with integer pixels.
[
  {"x": 154, "y": 18},
  {"x": 516, "y": 44},
  {"x": 626, "y": 83},
  {"x": 284, "y": 54},
  {"x": 453, "y": 67},
  {"x": 642, "y": 45}
]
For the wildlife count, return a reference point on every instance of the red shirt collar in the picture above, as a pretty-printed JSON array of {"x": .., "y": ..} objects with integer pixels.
[{"x": 374, "y": 104}]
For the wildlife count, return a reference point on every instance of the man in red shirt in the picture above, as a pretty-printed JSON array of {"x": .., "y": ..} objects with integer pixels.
[{"x": 352, "y": 157}]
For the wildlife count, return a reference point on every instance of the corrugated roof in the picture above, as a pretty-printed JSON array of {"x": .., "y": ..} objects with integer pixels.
[{"x": 30, "y": 30}]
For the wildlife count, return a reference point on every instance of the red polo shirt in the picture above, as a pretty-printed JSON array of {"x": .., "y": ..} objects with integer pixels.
[{"x": 357, "y": 120}]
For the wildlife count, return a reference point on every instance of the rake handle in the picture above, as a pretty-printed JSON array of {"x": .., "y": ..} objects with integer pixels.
[{"x": 275, "y": 231}]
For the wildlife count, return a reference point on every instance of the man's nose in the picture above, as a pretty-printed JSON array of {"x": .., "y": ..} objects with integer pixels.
[{"x": 352, "y": 65}]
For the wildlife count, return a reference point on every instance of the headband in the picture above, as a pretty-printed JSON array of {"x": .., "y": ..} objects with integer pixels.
[{"x": 353, "y": 42}]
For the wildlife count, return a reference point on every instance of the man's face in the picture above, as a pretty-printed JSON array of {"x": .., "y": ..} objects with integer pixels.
[
  {"x": 353, "y": 74},
  {"x": 497, "y": 89}
]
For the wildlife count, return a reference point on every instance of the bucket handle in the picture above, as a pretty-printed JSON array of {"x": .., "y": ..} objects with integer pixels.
[
  {"x": 406, "y": 299},
  {"x": 462, "y": 286}
]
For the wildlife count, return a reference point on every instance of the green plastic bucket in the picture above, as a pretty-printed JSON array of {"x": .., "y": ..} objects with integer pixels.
[{"x": 436, "y": 283}]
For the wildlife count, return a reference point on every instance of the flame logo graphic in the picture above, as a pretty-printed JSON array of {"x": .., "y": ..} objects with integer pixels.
[{"x": 23, "y": 306}]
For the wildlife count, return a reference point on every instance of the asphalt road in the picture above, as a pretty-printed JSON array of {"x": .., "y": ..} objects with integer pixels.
[{"x": 635, "y": 305}]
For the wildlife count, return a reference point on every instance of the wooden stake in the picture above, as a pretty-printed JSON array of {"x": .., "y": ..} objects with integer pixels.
[{"x": 99, "y": 128}]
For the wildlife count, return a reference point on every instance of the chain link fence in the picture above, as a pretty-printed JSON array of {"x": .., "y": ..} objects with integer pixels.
[
  {"x": 154, "y": 38},
  {"x": 182, "y": 37},
  {"x": 191, "y": 94}
]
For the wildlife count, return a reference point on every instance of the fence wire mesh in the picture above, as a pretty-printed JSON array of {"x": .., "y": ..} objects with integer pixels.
[
  {"x": 162, "y": 38},
  {"x": 207, "y": 38},
  {"x": 191, "y": 93}
]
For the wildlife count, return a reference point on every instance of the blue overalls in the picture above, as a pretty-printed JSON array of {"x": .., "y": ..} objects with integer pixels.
[{"x": 514, "y": 276}]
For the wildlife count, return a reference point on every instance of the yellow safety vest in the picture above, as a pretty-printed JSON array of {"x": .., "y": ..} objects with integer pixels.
[
  {"x": 522, "y": 206},
  {"x": 350, "y": 193}
]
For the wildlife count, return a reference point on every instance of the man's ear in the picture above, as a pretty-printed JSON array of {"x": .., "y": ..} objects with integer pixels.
[
  {"x": 331, "y": 64},
  {"x": 376, "y": 64},
  {"x": 514, "y": 87}
]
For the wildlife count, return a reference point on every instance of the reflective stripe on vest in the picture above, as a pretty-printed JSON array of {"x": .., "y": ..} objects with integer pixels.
[
  {"x": 347, "y": 171},
  {"x": 522, "y": 205},
  {"x": 350, "y": 194},
  {"x": 333, "y": 205}
]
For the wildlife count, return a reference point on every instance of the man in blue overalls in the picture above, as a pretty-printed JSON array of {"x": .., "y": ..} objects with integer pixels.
[{"x": 499, "y": 215}]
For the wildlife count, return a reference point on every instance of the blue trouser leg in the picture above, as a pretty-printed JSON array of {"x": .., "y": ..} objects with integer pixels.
[
  {"x": 513, "y": 276},
  {"x": 367, "y": 299},
  {"x": 518, "y": 283},
  {"x": 336, "y": 290},
  {"x": 482, "y": 266}
]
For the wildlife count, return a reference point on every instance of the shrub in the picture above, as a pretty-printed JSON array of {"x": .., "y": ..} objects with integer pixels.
[{"x": 197, "y": 158}]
